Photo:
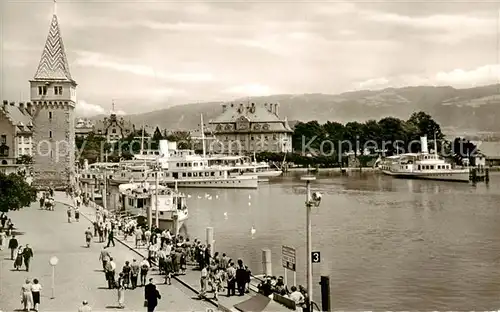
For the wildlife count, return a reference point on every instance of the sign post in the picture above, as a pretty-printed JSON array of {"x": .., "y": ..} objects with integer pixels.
[
  {"x": 53, "y": 262},
  {"x": 316, "y": 257},
  {"x": 288, "y": 261}
]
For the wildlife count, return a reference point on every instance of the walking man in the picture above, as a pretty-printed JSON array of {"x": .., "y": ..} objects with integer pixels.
[
  {"x": 104, "y": 257},
  {"x": 134, "y": 273},
  {"x": 88, "y": 237},
  {"x": 151, "y": 296},
  {"x": 111, "y": 237},
  {"x": 13, "y": 244},
  {"x": 27, "y": 255},
  {"x": 144, "y": 271}
]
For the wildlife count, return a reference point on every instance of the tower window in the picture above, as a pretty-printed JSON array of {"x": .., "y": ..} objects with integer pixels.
[
  {"x": 42, "y": 90},
  {"x": 50, "y": 115},
  {"x": 58, "y": 90},
  {"x": 3, "y": 139},
  {"x": 50, "y": 134}
]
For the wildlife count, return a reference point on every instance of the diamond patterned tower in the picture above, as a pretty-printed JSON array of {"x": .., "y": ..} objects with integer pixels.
[{"x": 53, "y": 95}]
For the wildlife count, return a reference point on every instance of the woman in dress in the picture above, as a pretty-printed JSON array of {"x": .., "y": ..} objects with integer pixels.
[
  {"x": 26, "y": 295},
  {"x": 18, "y": 263},
  {"x": 120, "y": 287},
  {"x": 35, "y": 292}
]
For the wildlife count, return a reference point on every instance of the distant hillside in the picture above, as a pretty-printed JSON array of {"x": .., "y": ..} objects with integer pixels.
[{"x": 474, "y": 109}]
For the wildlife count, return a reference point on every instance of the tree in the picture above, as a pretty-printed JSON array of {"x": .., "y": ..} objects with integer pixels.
[
  {"x": 157, "y": 136},
  {"x": 354, "y": 134},
  {"x": 463, "y": 149},
  {"x": 15, "y": 192},
  {"x": 183, "y": 139},
  {"x": 392, "y": 134},
  {"x": 308, "y": 135},
  {"x": 425, "y": 125}
]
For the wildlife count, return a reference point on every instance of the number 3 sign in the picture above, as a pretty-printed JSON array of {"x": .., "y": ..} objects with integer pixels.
[{"x": 316, "y": 257}]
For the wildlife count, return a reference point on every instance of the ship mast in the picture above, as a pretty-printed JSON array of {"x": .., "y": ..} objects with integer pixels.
[
  {"x": 435, "y": 145},
  {"x": 202, "y": 135}
]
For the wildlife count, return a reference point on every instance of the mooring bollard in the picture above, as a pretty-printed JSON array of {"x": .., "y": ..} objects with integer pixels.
[
  {"x": 210, "y": 240},
  {"x": 325, "y": 294},
  {"x": 267, "y": 265}
]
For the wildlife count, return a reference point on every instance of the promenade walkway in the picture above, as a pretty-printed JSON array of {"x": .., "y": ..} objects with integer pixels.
[
  {"x": 78, "y": 275},
  {"x": 191, "y": 280}
]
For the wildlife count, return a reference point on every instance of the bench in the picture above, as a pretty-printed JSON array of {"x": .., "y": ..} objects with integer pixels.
[{"x": 287, "y": 302}]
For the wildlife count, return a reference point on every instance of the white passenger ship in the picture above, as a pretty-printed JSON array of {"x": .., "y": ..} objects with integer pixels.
[
  {"x": 184, "y": 168},
  {"x": 422, "y": 165},
  {"x": 246, "y": 166},
  {"x": 139, "y": 199}
]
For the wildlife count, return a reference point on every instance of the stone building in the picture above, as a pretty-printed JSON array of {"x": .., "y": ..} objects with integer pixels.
[
  {"x": 53, "y": 97},
  {"x": 16, "y": 131},
  {"x": 249, "y": 128},
  {"x": 83, "y": 127},
  {"x": 114, "y": 128}
]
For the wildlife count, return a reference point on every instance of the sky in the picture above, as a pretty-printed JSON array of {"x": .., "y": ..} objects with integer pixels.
[{"x": 148, "y": 55}]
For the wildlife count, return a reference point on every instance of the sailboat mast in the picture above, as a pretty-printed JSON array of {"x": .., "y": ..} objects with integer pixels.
[{"x": 202, "y": 135}]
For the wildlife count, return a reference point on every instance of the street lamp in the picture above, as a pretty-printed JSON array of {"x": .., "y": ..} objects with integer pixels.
[
  {"x": 312, "y": 200},
  {"x": 53, "y": 262}
]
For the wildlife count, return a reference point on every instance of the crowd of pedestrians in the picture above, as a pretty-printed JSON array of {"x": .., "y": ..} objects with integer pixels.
[{"x": 20, "y": 255}]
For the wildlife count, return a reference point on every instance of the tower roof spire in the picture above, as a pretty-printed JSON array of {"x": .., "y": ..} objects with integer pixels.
[{"x": 53, "y": 63}]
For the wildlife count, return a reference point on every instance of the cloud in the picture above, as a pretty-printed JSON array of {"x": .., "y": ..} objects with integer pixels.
[
  {"x": 85, "y": 109},
  {"x": 100, "y": 61},
  {"x": 97, "y": 22},
  {"x": 459, "y": 78},
  {"x": 439, "y": 27},
  {"x": 250, "y": 90}
]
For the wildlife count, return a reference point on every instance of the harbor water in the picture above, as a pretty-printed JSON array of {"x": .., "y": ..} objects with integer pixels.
[{"x": 387, "y": 244}]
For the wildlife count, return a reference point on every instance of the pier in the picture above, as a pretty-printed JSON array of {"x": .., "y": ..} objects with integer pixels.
[
  {"x": 479, "y": 174},
  {"x": 191, "y": 280}
]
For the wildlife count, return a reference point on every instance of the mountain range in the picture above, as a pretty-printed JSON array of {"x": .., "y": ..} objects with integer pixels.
[{"x": 473, "y": 109}]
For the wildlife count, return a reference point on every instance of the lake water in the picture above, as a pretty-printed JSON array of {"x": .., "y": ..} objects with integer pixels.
[{"x": 387, "y": 244}]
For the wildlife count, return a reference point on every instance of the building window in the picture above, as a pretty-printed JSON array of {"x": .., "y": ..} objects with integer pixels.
[
  {"x": 3, "y": 139},
  {"x": 113, "y": 130},
  {"x": 58, "y": 90},
  {"x": 50, "y": 115},
  {"x": 50, "y": 134},
  {"x": 42, "y": 90}
]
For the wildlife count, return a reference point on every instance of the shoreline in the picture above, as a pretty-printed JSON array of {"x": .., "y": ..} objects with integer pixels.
[{"x": 362, "y": 169}]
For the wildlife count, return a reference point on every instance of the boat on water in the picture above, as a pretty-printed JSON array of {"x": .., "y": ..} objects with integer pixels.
[
  {"x": 141, "y": 199},
  {"x": 246, "y": 166},
  {"x": 183, "y": 168},
  {"x": 423, "y": 165}
]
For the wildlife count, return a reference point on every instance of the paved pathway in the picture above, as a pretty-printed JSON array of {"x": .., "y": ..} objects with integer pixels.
[
  {"x": 192, "y": 278},
  {"x": 78, "y": 274}
]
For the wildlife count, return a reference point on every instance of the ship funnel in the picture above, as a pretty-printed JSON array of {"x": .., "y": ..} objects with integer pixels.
[
  {"x": 423, "y": 145},
  {"x": 164, "y": 144},
  {"x": 172, "y": 146}
]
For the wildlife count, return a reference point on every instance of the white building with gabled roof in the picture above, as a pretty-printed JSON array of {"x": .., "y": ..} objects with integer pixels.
[{"x": 249, "y": 128}]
